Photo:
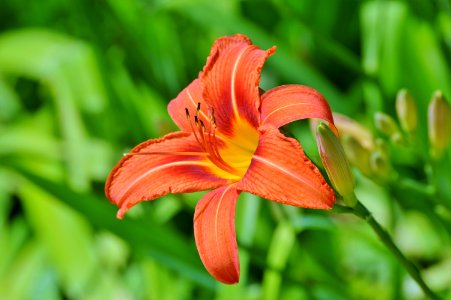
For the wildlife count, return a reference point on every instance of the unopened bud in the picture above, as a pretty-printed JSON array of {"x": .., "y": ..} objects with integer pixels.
[
  {"x": 439, "y": 124},
  {"x": 386, "y": 125},
  {"x": 335, "y": 162},
  {"x": 406, "y": 109},
  {"x": 380, "y": 165},
  {"x": 349, "y": 127},
  {"x": 357, "y": 154},
  {"x": 382, "y": 147}
]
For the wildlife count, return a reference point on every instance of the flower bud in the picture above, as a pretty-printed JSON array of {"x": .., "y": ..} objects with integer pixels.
[
  {"x": 349, "y": 127},
  {"x": 385, "y": 124},
  {"x": 439, "y": 124},
  {"x": 380, "y": 165},
  {"x": 357, "y": 154},
  {"x": 382, "y": 147},
  {"x": 335, "y": 163},
  {"x": 406, "y": 109}
]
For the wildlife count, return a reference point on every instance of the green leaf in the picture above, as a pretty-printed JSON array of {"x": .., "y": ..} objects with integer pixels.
[
  {"x": 68, "y": 68},
  {"x": 163, "y": 244},
  {"x": 280, "y": 248},
  {"x": 66, "y": 235},
  {"x": 9, "y": 104},
  {"x": 18, "y": 281}
]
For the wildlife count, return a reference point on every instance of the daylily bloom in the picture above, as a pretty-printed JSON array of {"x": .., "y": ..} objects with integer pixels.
[{"x": 228, "y": 142}]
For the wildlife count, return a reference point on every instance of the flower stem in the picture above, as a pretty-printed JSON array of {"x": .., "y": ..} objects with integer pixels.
[{"x": 362, "y": 212}]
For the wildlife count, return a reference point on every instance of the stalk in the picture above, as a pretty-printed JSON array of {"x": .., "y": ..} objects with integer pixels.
[{"x": 363, "y": 213}]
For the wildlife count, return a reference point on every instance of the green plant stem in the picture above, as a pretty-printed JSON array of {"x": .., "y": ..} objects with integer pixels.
[{"x": 362, "y": 212}]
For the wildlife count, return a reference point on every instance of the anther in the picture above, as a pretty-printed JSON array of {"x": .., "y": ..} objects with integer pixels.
[
  {"x": 187, "y": 112},
  {"x": 196, "y": 120},
  {"x": 212, "y": 118},
  {"x": 198, "y": 106},
  {"x": 202, "y": 124}
]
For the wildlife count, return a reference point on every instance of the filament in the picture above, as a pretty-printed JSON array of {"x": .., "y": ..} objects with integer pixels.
[{"x": 206, "y": 138}]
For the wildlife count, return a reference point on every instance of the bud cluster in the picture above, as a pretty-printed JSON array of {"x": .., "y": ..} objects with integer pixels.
[
  {"x": 438, "y": 118},
  {"x": 371, "y": 155},
  {"x": 368, "y": 153}
]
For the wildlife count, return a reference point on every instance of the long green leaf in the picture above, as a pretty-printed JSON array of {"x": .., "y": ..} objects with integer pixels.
[{"x": 163, "y": 244}]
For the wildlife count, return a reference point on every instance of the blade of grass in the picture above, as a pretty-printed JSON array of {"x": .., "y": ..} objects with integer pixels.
[{"x": 163, "y": 244}]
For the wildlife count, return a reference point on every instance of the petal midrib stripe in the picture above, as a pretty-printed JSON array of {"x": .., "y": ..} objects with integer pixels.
[
  {"x": 126, "y": 191},
  {"x": 232, "y": 84},
  {"x": 218, "y": 248},
  {"x": 288, "y": 172},
  {"x": 282, "y": 107}
]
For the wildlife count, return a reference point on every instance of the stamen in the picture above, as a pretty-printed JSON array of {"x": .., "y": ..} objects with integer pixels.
[
  {"x": 215, "y": 148},
  {"x": 212, "y": 118},
  {"x": 207, "y": 143},
  {"x": 194, "y": 131},
  {"x": 215, "y": 156},
  {"x": 202, "y": 130}
]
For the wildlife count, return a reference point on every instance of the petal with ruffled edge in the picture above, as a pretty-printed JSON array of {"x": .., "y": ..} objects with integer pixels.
[
  {"x": 231, "y": 81},
  {"x": 189, "y": 99},
  {"x": 288, "y": 103},
  {"x": 214, "y": 231},
  {"x": 158, "y": 167},
  {"x": 280, "y": 171}
]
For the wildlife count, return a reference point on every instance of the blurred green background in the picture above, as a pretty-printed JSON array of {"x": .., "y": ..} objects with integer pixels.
[{"x": 83, "y": 81}]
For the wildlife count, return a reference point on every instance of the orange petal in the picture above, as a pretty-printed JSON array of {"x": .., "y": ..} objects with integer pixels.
[
  {"x": 214, "y": 230},
  {"x": 231, "y": 78},
  {"x": 280, "y": 171},
  {"x": 158, "y": 167},
  {"x": 288, "y": 103},
  {"x": 189, "y": 99}
]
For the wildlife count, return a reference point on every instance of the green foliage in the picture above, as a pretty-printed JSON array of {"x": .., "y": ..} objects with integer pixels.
[{"x": 83, "y": 81}]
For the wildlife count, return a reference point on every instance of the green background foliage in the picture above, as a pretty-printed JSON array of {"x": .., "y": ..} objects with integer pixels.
[{"x": 81, "y": 82}]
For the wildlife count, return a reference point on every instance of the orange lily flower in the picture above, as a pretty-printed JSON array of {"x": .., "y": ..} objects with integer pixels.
[{"x": 229, "y": 142}]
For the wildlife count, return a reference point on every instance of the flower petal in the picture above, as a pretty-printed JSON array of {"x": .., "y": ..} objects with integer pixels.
[
  {"x": 231, "y": 78},
  {"x": 214, "y": 231},
  {"x": 288, "y": 103},
  {"x": 158, "y": 167},
  {"x": 280, "y": 171},
  {"x": 189, "y": 99}
]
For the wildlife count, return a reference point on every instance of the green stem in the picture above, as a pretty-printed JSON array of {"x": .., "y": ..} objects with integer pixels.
[{"x": 362, "y": 212}]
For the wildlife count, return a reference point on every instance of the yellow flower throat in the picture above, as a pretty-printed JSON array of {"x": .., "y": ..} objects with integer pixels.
[{"x": 232, "y": 158}]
